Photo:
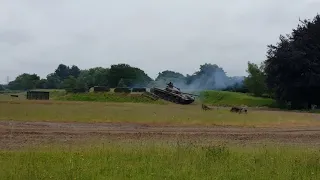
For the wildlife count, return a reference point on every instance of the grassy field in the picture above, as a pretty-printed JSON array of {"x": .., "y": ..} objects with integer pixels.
[
  {"x": 153, "y": 158},
  {"x": 160, "y": 161},
  {"x": 224, "y": 98},
  {"x": 147, "y": 113},
  {"x": 217, "y": 98}
]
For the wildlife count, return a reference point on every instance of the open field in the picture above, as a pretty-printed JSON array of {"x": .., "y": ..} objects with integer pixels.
[
  {"x": 68, "y": 111},
  {"x": 99, "y": 140}
]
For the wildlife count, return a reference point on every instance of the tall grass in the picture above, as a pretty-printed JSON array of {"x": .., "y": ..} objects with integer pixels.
[
  {"x": 152, "y": 161},
  {"x": 224, "y": 98}
]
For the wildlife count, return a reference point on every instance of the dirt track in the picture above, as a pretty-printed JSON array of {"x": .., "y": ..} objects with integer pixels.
[{"x": 15, "y": 134}]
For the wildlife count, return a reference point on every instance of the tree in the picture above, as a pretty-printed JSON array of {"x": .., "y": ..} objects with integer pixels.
[
  {"x": 100, "y": 76},
  {"x": 210, "y": 76},
  {"x": 62, "y": 72},
  {"x": 95, "y": 76},
  {"x": 87, "y": 77},
  {"x": 121, "y": 83},
  {"x": 42, "y": 84},
  {"x": 74, "y": 71},
  {"x": 24, "y": 81},
  {"x": 53, "y": 81},
  {"x": 293, "y": 66},
  {"x": 133, "y": 75},
  {"x": 169, "y": 75},
  {"x": 255, "y": 82},
  {"x": 69, "y": 84},
  {"x": 81, "y": 86}
]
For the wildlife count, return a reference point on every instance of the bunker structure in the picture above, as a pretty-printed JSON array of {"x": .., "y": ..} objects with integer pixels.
[{"x": 38, "y": 95}]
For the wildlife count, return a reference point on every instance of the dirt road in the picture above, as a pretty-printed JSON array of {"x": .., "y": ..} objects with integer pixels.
[{"x": 14, "y": 134}]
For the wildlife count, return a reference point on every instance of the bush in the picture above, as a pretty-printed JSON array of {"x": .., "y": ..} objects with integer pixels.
[
  {"x": 122, "y": 90},
  {"x": 139, "y": 89},
  {"x": 101, "y": 89}
]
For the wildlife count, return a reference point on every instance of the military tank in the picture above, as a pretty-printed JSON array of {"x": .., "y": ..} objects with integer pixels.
[{"x": 173, "y": 94}]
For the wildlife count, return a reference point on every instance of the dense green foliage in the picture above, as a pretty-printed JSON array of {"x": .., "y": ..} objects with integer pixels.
[
  {"x": 293, "y": 66},
  {"x": 148, "y": 160},
  {"x": 223, "y": 98},
  {"x": 75, "y": 80},
  {"x": 255, "y": 82},
  {"x": 123, "y": 75},
  {"x": 25, "y": 81}
]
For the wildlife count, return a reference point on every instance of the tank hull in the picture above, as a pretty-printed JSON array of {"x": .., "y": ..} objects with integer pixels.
[{"x": 172, "y": 96}]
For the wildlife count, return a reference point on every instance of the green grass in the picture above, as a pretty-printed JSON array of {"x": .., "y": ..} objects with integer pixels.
[
  {"x": 160, "y": 161},
  {"x": 218, "y": 98},
  {"x": 108, "y": 97},
  {"x": 224, "y": 98},
  {"x": 147, "y": 113}
]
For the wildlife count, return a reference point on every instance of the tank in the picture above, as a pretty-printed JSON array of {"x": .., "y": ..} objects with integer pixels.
[{"x": 173, "y": 94}]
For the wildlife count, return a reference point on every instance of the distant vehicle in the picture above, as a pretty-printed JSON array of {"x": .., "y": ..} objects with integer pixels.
[{"x": 173, "y": 94}]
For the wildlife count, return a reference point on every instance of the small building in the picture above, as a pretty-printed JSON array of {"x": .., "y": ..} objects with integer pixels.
[{"x": 38, "y": 95}]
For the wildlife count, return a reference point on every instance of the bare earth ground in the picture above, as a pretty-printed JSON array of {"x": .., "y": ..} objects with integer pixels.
[{"x": 14, "y": 134}]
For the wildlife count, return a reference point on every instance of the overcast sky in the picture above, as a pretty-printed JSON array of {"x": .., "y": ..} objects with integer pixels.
[{"x": 154, "y": 35}]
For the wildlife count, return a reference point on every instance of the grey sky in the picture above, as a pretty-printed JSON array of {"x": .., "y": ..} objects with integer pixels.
[{"x": 154, "y": 35}]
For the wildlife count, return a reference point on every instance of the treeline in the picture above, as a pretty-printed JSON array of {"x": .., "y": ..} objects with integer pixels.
[
  {"x": 72, "y": 79},
  {"x": 75, "y": 80},
  {"x": 291, "y": 72}
]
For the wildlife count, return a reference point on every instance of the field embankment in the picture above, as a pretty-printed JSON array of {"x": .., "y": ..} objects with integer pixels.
[
  {"x": 109, "y": 97},
  {"x": 215, "y": 98},
  {"x": 225, "y": 98}
]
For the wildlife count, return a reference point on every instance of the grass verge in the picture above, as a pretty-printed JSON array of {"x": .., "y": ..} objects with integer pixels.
[{"x": 161, "y": 161}]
